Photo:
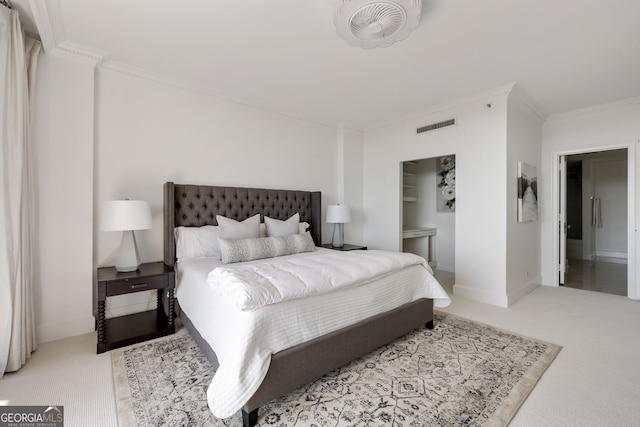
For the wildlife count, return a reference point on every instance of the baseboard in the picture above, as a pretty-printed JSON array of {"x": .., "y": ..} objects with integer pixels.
[
  {"x": 613, "y": 260},
  {"x": 446, "y": 267},
  {"x": 612, "y": 256},
  {"x": 496, "y": 299},
  {"x": 527, "y": 288},
  {"x": 481, "y": 295},
  {"x": 66, "y": 329}
]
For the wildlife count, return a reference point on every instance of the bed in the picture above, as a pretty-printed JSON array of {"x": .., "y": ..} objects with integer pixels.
[{"x": 196, "y": 206}]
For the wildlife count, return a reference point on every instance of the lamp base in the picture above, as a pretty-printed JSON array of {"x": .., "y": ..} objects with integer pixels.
[
  {"x": 128, "y": 258},
  {"x": 337, "y": 241}
]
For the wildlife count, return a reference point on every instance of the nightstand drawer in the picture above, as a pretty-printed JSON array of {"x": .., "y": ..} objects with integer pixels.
[{"x": 136, "y": 284}]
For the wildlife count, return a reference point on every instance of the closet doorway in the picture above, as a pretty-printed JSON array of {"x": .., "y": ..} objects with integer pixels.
[
  {"x": 428, "y": 213},
  {"x": 596, "y": 197}
]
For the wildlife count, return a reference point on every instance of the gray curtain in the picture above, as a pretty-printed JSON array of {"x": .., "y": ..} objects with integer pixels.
[{"x": 18, "y": 59}]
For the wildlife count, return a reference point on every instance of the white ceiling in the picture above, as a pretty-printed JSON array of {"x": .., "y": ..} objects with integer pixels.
[{"x": 285, "y": 56}]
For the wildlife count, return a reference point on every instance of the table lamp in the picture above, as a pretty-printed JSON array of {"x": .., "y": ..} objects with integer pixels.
[
  {"x": 126, "y": 216},
  {"x": 338, "y": 215}
]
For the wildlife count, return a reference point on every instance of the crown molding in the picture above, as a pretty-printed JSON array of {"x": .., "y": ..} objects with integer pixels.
[
  {"x": 442, "y": 108},
  {"x": 526, "y": 101},
  {"x": 80, "y": 52},
  {"x": 129, "y": 70},
  {"x": 596, "y": 109},
  {"x": 48, "y": 18}
]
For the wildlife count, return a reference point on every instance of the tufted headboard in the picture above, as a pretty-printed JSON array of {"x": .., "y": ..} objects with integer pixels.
[{"x": 197, "y": 205}]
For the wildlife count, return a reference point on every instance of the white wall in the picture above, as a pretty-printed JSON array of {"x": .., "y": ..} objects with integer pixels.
[
  {"x": 524, "y": 128},
  {"x": 350, "y": 183},
  {"x": 63, "y": 159},
  {"x": 149, "y": 133},
  {"x": 115, "y": 135},
  {"x": 599, "y": 128},
  {"x": 479, "y": 142}
]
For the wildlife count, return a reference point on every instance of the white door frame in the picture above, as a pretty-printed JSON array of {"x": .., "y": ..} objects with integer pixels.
[
  {"x": 633, "y": 289},
  {"x": 562, "y": 219}
]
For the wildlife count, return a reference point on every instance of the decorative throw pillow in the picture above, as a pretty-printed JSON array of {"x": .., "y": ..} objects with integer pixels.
[
  {"x": 302, "y": 228},
  {"x": 232, "y": 229},
  {"x": 196, "y": 242},
  {"x": 264, "y": 247},
  {"x": 277, "y": 228}
]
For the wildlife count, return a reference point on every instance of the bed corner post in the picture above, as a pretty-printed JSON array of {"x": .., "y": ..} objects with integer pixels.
[
  {"x": 169, "y": 208},
  {"x": 316, "y": 217},
  {"x": 429, "y": 324},
  {"x": 250, "y": 419}
]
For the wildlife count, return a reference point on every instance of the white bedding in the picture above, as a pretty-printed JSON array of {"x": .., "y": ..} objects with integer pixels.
[
  {"x": 254, "y": 285},
  {"x": 245, "y": 340}
]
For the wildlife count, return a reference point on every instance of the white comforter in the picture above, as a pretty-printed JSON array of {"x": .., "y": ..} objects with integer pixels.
[
  {"x": 244, "y": 340},
  {"x": 252, "y": 286}
]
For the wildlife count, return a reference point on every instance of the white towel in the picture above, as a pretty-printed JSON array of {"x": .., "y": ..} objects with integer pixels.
[{"x": 596, "y": 212}]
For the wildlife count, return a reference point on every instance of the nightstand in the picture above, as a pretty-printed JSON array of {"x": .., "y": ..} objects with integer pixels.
[
  {"x": 346, "y": 247},
  {"x": 133, "y": 328}
]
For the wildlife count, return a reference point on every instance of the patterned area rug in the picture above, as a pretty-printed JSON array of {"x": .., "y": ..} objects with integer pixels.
[{"x": 459, "y": 373}]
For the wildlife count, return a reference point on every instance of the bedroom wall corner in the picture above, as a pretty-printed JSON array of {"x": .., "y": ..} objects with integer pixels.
[
  {"x": 351, "y": 181},
  {"x": 480, "y": 232},
  {"x": 524, "y": 141},
  {"x": 63, "y": 135}
]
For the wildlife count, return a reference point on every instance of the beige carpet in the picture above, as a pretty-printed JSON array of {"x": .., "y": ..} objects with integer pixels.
[{"x": 459, "y": 373}]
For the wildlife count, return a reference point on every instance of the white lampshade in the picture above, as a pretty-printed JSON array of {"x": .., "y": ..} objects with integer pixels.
[
  {"x": 122, "y": 215},
  {"x": 338, "y": 214},
  {"x": 126, "y": 216}
]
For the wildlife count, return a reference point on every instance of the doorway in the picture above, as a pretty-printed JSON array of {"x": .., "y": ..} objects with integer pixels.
[
  {"x": 595, "y": 219},
  {"x": 428, "y": 214}
]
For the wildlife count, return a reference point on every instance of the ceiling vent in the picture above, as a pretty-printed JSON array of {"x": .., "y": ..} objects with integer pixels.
[
  {"x": 435, "y": 126},
  {"x": 371, "y": 24}
]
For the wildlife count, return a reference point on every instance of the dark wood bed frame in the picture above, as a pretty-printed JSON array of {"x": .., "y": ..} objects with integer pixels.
[{"x": 198, "y": 205}]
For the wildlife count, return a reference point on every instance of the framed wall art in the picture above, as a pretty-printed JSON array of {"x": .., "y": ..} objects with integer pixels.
[
  {"x": 446, "y": 184},
  {"x": 527, "y": 193}
]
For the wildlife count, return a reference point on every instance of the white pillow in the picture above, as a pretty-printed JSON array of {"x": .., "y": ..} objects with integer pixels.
[
  {"x": 302, "y": 228},
  {"x": 278, "y": 228},
  {"x": 264, "y": 247},
  {"x": 196, "y": 242},
  {"x": 232, "y": 229}
]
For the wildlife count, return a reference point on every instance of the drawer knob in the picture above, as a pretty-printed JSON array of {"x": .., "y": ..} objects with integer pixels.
[{"x": 143, "y": 285}]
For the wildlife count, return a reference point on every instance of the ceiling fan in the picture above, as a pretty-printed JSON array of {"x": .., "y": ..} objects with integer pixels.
[{"x": 378, "y": 23}]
